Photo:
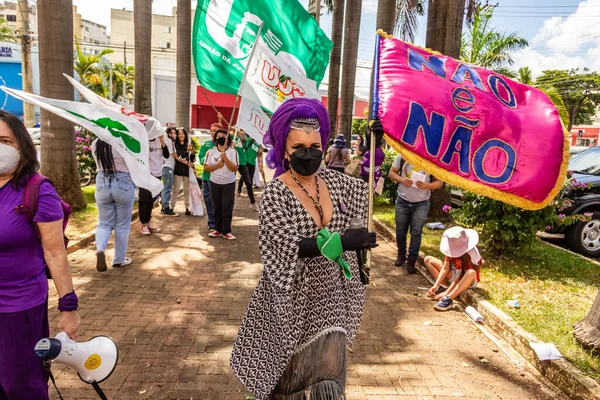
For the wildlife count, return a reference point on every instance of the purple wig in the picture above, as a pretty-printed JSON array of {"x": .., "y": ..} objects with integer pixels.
[{"x": 279, "y": 128}]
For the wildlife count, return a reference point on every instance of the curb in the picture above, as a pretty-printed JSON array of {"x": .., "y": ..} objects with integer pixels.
[{"x": 561, "y": 373}]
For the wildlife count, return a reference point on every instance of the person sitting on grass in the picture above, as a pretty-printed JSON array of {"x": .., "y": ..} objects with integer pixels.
[{"x": 461, "y": 268}]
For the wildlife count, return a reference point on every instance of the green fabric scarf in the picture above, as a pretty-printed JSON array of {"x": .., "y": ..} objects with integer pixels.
[{"x": 330, "y": 246}]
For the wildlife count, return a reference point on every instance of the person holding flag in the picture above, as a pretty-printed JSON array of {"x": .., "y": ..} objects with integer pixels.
[{"x": 308, "y": 304}]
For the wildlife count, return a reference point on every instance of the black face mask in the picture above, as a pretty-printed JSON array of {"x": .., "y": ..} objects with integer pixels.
[
  {"x": 221, "y": 141},
  {"x": 306, "y": 162}
]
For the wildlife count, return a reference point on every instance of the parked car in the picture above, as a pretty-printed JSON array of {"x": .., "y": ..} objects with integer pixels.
[
  {"x": 581, "y": 237},
  {"x": 584, "y": 237}
]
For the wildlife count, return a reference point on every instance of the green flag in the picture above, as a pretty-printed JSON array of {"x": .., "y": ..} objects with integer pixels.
[{"x": 225, "y": 31}]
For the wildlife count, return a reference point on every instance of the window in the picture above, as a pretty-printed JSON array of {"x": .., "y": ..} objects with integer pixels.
[
  {"x": 168, "y": 45},
  {"x": 87, "y": 28},
  {"x": 11, "y": 18},
  {"x": 583, "y": 142}
]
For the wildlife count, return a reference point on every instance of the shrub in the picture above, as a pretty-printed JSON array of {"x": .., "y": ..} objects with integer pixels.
[
  {"x": 509, "y": 229},
  {"x": 390, "y": 187},
  {"x": 83, "y": 141}
]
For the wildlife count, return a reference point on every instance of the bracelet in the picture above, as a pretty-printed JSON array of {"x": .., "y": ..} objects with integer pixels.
[{"x": 69, "y": 302}]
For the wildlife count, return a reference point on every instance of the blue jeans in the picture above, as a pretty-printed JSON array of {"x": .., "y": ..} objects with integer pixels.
[
  {"x": 167, "y": 178},
  {"x": 114, "y": 198},
  {"x": 413, "y": 215},
  {"x": 208, "y": 203}
]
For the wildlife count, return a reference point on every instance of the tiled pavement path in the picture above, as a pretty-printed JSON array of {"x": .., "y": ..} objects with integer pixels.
[{"x": 176, "y": 310}]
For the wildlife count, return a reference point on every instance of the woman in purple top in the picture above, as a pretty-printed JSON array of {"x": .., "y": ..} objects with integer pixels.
[
  {"x": 23, "y": 258},
  {"x": 379, "y": 158}
]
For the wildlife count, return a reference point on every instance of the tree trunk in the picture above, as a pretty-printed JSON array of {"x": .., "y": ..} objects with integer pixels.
[
  {"x": 333, "y": 91},
  {"x": 314, "y": 9},
  {"x": 351, "y": 35},
  {"x": 142, "y": 23},
  {"x": 184, "y": 63},
  {"x": 587, "y": 331},
  {"x": 59, "y": 157},
  {"x": 444, "y": 33},
  {"x": 23, "y": 32},
  {"x": 386, "y": 11}
]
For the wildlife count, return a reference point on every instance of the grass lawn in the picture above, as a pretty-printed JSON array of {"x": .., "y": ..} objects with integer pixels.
[
  {"x": 84, "y": 220},
  {"x": 555, "y": 288}
]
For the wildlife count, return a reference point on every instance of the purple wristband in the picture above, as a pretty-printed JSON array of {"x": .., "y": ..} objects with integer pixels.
[{"x": 68, "y": 302}]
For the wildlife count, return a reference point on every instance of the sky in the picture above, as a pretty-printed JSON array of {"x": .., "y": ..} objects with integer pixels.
[{"x": 562, "y": 34}]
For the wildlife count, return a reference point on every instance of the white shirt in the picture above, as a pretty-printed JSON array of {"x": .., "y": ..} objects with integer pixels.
[
  {"x": 223, "y": 175},
  {"x": 155, "y": 157},
  {"x": 119, "y": 161},
  {"x": 169, "y": 162}
]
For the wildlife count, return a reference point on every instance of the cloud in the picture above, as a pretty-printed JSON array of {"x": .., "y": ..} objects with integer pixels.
[{"x": 565, "y": 42}]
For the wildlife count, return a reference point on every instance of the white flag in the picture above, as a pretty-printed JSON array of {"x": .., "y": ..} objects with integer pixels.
[
  {"x": 270, "y": 79},
  {"x": 153, "y": 126},
  {"x": 195, "y": 195},
  {"x": 253, "y": 120},
  {"x": 124, "y": 133}
]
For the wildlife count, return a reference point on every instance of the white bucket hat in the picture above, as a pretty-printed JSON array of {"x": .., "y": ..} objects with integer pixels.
[{"x": 457, "y": 241}]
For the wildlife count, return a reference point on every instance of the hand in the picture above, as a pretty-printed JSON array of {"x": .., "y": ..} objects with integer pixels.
[
  {"x": 219, "y": 115},
  {"x": 69, "y": 323},
  {"x": 432, "y": 290},
  {"x": 359, "y": 239},
  {"x": 423, "y": 185},
  {"x": 191, "y": 164},
  {"x": 376, "y": 128},
  {"x": 440, "y": 296},
  {"x": 223, "y": 156},
  {"x": 406, "y": 182}
]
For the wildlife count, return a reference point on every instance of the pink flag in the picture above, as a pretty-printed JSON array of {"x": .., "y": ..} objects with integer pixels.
[{"x": 469, "y": 126}]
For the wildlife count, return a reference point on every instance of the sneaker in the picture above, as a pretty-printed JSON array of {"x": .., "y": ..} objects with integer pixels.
[
  {"x": 153, "y": 229},
  {"x": 444, "y": 304},
  {"x": 440, "y": 289},
  {"x": 169, "y": 212},
  {"x": 162, "y": 210},
  {"x": 215, "y": 234},
  {"x": 229, "y": 236},
  {"x": 187, "y": 212},
  {"x": 254, "y": 206},
  {"x": 146, "y": 230},
  {"x": 411, "y": 267},
  {"x": 125, "y": 263},
  {"x": 100, "y": 261},
  {"x": 400, "y": 260}
]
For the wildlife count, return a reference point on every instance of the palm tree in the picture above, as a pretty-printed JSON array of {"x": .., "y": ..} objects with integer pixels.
[
  {"x": 58, "y": 159},
  {"x": 333, "y": 89},
  {"x": 142, "y": 22},
  {"x": 484, "y": 46},
  {"x": 184, "y": 62},
  {"x": 525, "y": 76},
  {"x": 351, "y": 33},
  {"x": 90, "y": 67},
  {"x": 406, "y": 15},
  {"x": 120, "y": 76},
  {"x": 6, "y": 32}
]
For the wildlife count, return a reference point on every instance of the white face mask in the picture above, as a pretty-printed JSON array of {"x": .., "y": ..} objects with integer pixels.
[{"x": 9, "y": 159}]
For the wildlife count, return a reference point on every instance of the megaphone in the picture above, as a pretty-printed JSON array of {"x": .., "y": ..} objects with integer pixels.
[{"x": 94, "y": 360}]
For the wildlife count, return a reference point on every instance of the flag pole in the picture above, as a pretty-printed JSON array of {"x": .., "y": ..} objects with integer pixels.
[
  {"x": 246, "y": 73},
  {"x": 374, "y": 114},
  {"x": 211, "y": 104}
]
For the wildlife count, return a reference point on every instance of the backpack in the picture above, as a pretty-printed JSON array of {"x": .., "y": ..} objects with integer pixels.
[{"x": 30, "y": 206}]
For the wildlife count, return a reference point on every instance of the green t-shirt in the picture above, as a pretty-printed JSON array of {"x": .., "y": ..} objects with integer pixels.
[
  {"x": 251, "y": 151},
  {"x": 206, "y": 146},
  {"x": 241, "y": 152}
]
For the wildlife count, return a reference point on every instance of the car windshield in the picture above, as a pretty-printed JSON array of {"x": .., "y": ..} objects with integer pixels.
[{"x": 587, "y": 162}]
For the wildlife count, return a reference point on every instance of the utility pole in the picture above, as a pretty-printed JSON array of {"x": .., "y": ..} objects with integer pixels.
[
  {"x": 125, "y": 71},
  {"x": 25, "y": 38}
]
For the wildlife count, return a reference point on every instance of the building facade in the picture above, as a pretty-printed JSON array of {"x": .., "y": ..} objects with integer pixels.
[{"x": 8, "y": 11}]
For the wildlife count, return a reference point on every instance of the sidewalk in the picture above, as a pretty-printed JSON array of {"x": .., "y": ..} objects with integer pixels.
[{"x": 176, "y": 310}]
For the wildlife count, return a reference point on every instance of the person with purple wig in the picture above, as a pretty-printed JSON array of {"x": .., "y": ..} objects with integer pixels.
[{"x": 308, "y": 304}]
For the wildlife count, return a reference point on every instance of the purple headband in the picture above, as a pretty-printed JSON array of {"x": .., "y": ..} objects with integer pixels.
[{"x": 279, "y": 128}]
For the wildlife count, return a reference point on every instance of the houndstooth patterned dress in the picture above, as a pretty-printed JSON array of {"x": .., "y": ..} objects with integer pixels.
[{"x": 298, "y": 300}]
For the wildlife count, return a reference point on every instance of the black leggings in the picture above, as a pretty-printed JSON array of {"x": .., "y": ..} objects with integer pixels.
[
  {"x": 247, "y": 173},
  {"x": 145, "y": 205},
  {"x": 223, "y": 198}
]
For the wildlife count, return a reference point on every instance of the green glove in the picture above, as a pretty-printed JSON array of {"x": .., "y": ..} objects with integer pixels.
[{"x": 330, "y": 246}]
